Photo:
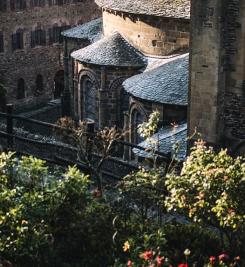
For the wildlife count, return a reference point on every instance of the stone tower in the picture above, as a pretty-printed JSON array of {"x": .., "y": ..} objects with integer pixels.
[{"x": 217, "y": 73}]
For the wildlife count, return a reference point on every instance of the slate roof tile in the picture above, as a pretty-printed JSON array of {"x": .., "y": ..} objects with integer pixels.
[
  {"x": 112, "y": 50},
  {"x": 91, "y": 31},
  {"x": 166, "y": 84},
  {"x": 171, "y": 140},
  {"x": 163, "y": 8}
]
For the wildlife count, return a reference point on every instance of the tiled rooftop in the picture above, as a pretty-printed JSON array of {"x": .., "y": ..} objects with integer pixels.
[
  {"x": 163, "y": 8},
  {"x": 113, "y": 50},
  {"x": 166, "y": 84},
  {"x": 88, "y": 31},
  {"x": 171, "y": 140}
]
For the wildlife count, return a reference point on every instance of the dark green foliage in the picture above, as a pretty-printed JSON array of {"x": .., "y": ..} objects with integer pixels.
[{"x": 46, "y": 222}]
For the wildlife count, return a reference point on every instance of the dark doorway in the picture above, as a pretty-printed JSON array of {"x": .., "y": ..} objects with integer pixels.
[
  {"x": 58, "y": 84},
  {"x": 20, "y": 94},
  {"x": 2, "y": 97},
  {"x": 39, "y": 85}
]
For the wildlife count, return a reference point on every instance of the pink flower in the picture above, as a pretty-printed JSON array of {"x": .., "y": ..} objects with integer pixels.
[
  {"x": 223, "y": 257},
  {"x": 97, "y": 193},
  {"x": 237, "y": 258},
  {"x": 212, "y": 259},
  {"x": 129, "y": 264},
  {"x": 159, "y": 260},
  {"x": 183, "y": 265},
  {"x": 147, "y": 255}
]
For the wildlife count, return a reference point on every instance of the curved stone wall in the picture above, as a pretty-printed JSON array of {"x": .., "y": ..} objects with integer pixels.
[{"x": 152, "y": 35}]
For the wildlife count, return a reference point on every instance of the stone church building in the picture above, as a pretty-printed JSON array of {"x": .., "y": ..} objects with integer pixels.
[
  {"x": 131, "y": 62},
  {"x": 31, "y": 50},
  {"x": 134, "y": 60}
]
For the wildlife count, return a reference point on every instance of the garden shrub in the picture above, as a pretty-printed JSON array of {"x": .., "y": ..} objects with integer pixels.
[{"x": 51, "y": 222}]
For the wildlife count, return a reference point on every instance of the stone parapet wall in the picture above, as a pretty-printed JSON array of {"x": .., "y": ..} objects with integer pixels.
[{"x": 151, "y": 35}]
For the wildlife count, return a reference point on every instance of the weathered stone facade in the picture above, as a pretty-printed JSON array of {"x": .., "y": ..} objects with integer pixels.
[
  {"x": 143, "y": 108},
  {"x": 31, "y": 54},
  {"x": 108, "y": 92},
  {"x": 217, "y": 96},
  {"x": 107, "y": 64},
  {"x": 152, "y": 35}
]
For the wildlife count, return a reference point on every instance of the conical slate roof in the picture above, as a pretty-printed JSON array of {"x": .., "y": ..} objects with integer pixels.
[
  {"x": 87, "y": 31},
  {"x": 112, "y": 50},
  {"x": 164, "y": 8},
  {"x": 166, "y": 84}
]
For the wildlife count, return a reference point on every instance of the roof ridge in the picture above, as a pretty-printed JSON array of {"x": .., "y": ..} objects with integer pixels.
[
  {"x": 112, "y": 50},
  {"x": 162, "y": 8}
]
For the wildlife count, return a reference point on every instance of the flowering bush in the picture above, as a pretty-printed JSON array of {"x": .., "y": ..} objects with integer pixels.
[
  {"x": 147, "y": 129},
  {"x": 154, "y": 258},
  {"x": 143, "y": 191},
  {"x": 210, "y": 188},
  {"x": 224, "y": 261},
  {"x": 50, "y": 219}
]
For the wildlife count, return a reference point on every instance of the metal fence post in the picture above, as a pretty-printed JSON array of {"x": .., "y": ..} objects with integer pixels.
[
  {"x": 90, "y": 131},
  {"x": 10, "y": 139}
]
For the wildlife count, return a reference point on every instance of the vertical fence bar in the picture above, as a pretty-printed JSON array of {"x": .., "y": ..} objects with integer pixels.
[
  {"x": 90, "y": 131},
  {"x": 10, "y": 140}
]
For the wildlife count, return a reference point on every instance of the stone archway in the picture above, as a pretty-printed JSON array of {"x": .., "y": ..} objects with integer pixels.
[
  {"x": 58, "y": 84},
  {"x": 89, "y": 107},
  {"x": 121, "y": 102},
  {"x": 87, "y": 96},
  {"x": 137, "y": 115}
]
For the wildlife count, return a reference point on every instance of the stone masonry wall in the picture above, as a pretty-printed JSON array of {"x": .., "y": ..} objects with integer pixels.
[
  {"x": 46, "y": 60},
  {"x": 234, "y": 65},
  {"x": 217, "y": 94},
  {"x": 70, "y": 45},
  {"x": 168, "y": 113},
  {"x": 151, "y": 35},
  {"x": 205, "y": 97},
  {"x": 107, "y": 81}
]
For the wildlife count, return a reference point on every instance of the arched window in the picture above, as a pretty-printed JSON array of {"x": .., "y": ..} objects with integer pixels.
[
  {"x": 123, "y": 106},
  {"x": 3, "y": 5},
  {"x": 1, "y": 42},
  {"x": 17, "y": 4},
  {"x": 38, "y": 37},
  {"x": 58, "y": 84},
  {"x": 17, "y": 40},
  {"x": 137, "y": 118},
  {"x": 55, "y": 35},
  {"x": 39, "y": 3},
  {"x": 89, "y": 99},
  {"x": 20, "y": 89},
  {"x": 39, "y": 84}
]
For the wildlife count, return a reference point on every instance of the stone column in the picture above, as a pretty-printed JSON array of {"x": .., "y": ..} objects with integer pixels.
[
  {"x": 126, "y": 149},
  {"x": 206, "y": 72},
  {"x": 66, "y": 101},
  {"x": 103, "y": 100}
]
